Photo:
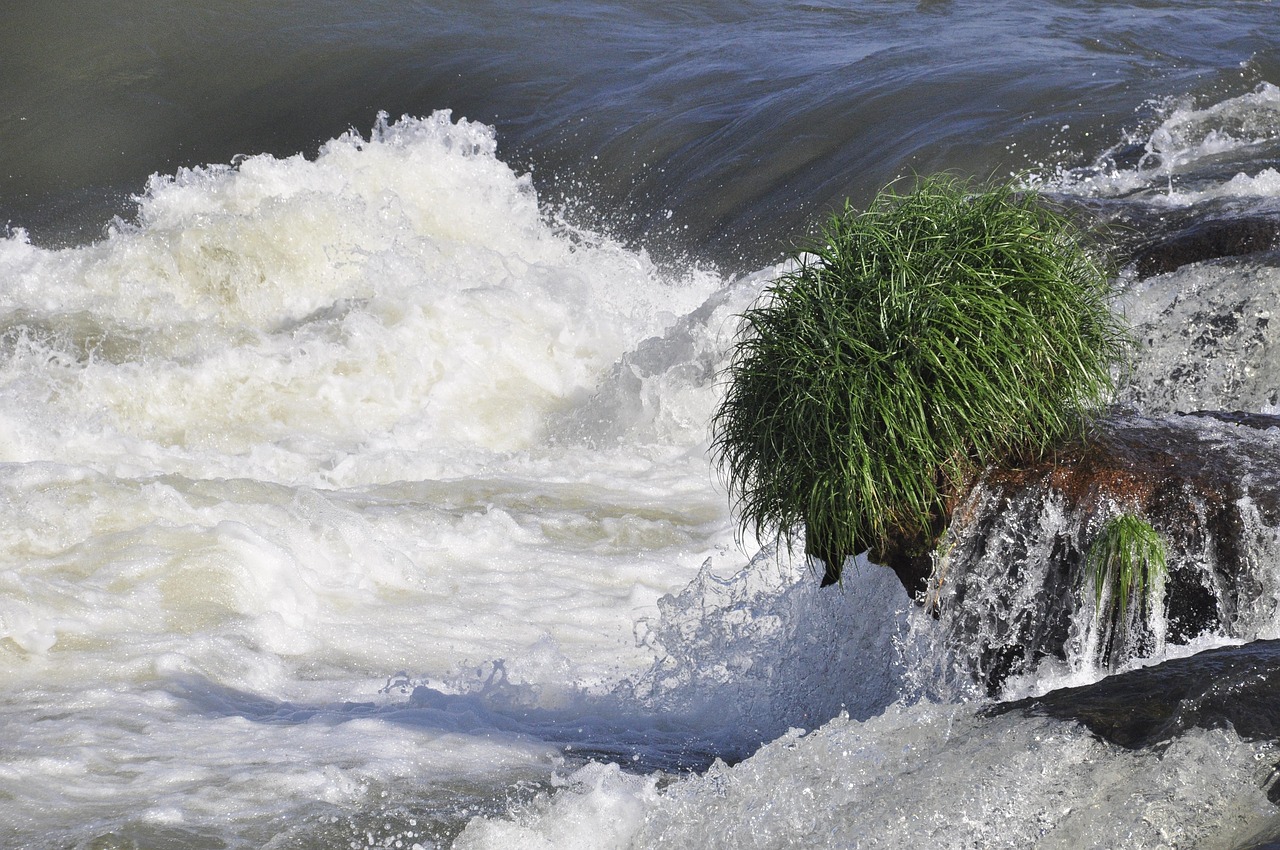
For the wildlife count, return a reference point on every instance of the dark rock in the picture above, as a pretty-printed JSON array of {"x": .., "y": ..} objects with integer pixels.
[
  {"x": 832, "y": 560},
  {"x": 1269, "y": 840},
  {"x": 1236, "y": 687},
  {"x": 1208, "y": 240},
  {"x": 1233, "y": 687},
  {"x": 1238, "y": 417},
  {"x": 1132, "y": 156},
  {"x": 909, "y": 556}
]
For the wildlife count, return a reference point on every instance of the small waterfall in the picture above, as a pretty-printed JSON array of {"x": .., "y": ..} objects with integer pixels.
[{"x": 1011, "y": 609}]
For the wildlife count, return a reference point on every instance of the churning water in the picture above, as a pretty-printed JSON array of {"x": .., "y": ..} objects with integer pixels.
[{"x": 354, "y": 483}]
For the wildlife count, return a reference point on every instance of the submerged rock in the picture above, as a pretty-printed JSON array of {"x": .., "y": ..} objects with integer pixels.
[
  {"x": 1235, "y": 687},
  {"x": 1153, "y": 238},
  {"x": 1206, "y": 240}
]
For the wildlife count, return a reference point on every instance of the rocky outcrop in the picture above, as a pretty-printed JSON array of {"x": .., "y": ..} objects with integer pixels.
[{"x": 1011, "y": 590}]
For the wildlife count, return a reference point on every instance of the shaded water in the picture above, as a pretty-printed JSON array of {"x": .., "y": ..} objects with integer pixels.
[{"x": 355, "y": 493}]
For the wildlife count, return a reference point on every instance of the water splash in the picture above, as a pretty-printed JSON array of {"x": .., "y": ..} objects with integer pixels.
[
  {"x": 1196, "y": 153},
  {"x": 764, "y": 648},
  {"x": 276, "y": 317}
]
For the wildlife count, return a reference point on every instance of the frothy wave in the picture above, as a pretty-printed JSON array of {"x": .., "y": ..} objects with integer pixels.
[
  {"x": 1194, "y": 154},
  {"x": 396, "y": 292}
]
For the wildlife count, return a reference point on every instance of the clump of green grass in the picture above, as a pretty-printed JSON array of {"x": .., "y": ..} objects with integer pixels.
[
  {"x": 911, "y": 345},
  {"x": 1126, "y": 560}
]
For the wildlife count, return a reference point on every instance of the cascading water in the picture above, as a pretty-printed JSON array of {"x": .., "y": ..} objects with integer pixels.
[
  {"x": 1017, "y": 610},
  {"x": 363, "y": 500}
]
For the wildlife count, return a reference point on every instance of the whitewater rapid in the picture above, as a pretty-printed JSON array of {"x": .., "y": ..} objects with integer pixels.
[
  {"x": 363, "y": 500},
  {"x": 306, "y": 427}
]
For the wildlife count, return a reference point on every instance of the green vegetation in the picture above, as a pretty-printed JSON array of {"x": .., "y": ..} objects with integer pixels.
[
  {"x": 913, "y": 344},
  {"x": 1126, "y": 561}
]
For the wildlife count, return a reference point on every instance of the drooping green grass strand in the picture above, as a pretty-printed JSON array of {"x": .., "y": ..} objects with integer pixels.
[
  {"x": 937, "y": 332},
  {"x": 1126, "y": 561}
]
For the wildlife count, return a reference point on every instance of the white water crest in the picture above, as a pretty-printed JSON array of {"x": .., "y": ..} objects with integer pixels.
[
  {"x": 310, "y": 428},
  {"x": 1195, "y": 153},
  {"x": 324, "y": 321}
]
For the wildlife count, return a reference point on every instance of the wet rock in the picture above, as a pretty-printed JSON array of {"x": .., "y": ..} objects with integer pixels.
[
  {"x": 1208, "y": 240},
  {"x": 909, "y": 556},
  {"x": 1232, "y": 687},
  {"x": 1012, "y": 590},
  {"x": 1238, "y": 417},
  {"x": 1235, "y": 686}
]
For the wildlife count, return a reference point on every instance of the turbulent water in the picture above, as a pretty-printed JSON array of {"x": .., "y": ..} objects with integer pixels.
[{"x": 353, "y": 467}]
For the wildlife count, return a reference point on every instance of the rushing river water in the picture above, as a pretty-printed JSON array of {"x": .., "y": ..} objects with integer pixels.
[{"x": 353, "y": 474}]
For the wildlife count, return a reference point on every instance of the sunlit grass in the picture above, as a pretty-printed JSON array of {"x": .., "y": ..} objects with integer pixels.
[
  {"x": 1126, "y": 561},
  {"x": 912, "y": 344}
]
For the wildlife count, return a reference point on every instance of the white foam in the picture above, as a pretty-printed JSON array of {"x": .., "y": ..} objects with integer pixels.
[
  {"x": 277, "y": 318},
  {"x": 924, "y": 775},
  {"x": 1184, "y": 156},
  {"x": 307, "y": 424}
]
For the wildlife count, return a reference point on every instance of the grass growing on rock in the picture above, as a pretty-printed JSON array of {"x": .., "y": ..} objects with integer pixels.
[
  {"x": 912, "y": 344},
  {"x": 1127, "y": 560}
]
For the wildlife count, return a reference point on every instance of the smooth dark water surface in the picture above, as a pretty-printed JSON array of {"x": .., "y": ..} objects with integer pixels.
[{"x": 717, "y": 128}]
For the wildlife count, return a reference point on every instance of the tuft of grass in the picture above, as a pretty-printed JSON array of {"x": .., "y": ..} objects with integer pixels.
[
  {"x": 912, "y": 344},
  {"x": 1126, "y": 560}
]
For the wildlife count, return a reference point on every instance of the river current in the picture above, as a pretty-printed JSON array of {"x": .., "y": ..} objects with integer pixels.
[{"x": 356, "y": 361}]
